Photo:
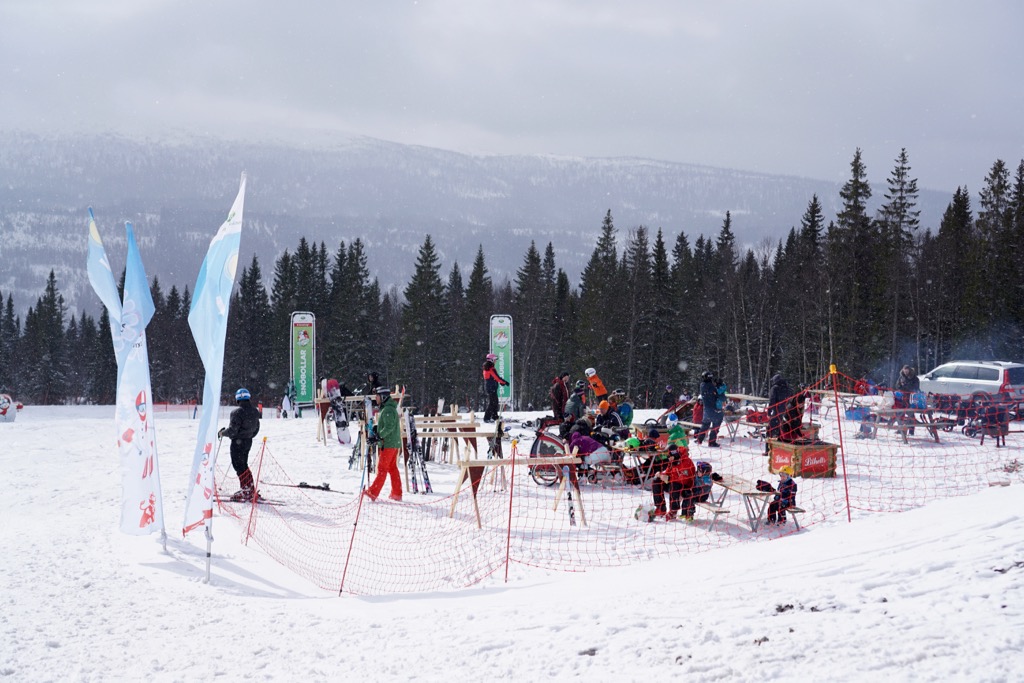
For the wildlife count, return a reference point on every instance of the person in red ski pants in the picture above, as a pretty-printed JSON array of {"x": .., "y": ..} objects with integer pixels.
[{"x": 388, "y": 434}]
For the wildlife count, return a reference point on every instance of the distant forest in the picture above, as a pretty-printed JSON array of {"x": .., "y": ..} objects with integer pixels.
[{"x": 867, "y": 293}]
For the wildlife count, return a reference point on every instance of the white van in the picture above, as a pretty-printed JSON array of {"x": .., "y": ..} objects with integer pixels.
[{"x": 969, "y": 377}]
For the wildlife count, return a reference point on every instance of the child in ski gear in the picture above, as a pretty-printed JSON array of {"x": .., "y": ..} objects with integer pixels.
[
  {"x": 676, "y": 432},
  {"x": 712, "y": 418},
  {"x": 388, "y": 435},
  {"x": 491, "y": 381},
  {"x": 243, "y": 426},
  {"x": 785, "y": 499},
  {"x": 559, "y": 394},
  {"x": 677, "y": 480},
  {"x": 702, "y": 483},
  {"x": 721, "y": 388}
]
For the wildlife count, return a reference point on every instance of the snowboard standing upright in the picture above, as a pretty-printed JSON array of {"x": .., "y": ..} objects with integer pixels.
[{"x": 340, "y": 410}]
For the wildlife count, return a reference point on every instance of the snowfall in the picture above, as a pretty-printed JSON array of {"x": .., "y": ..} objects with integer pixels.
[{"x": 930, "y": 593}]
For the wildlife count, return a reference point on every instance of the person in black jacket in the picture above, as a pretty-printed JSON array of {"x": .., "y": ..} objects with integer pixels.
[
  {"x": 491, "y": 381},
  {"x": 243, "y": 426},
  {"x": 778, "y": 396}
]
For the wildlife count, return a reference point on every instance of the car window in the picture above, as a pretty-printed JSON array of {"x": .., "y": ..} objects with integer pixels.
[
  {"x": 945, "y": 371},
  {"x": 1016, "y": 375},
  {"x": 965, "y": 372},
  {"x": 988, "y": 374}
]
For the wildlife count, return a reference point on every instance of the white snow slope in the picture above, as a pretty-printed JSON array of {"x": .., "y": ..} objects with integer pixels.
[{"x": 931, "y": 594}]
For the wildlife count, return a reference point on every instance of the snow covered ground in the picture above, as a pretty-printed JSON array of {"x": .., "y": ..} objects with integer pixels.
[{"x": 934, "y": 593}]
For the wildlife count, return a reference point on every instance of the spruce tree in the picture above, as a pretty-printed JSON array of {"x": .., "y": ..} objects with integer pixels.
[
  {"x": 248, "y": 339},
  {"x": 420, "y": 353},
  {"x": 44, "y": 349},
  {"x": 284, "y": 300},
  {"x": 995, "y": 230},
  {"x": 636, "y": 370},
  {"x": 530, "y": 318},
  {"x": 102, "y": 369},
  {"x": 898, "y": 222},
  {"x": 10, "y": 335},
  {"x": 598, "y": 332}
]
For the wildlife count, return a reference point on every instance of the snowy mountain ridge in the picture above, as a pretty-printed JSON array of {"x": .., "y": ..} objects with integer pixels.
[{"x": 389, "y": 194}]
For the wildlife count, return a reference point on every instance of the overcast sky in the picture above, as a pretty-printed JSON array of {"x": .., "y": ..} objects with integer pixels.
[{"x": 777, "y": 87}]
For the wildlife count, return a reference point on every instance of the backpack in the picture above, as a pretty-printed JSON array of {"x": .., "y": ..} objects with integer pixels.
[{"x": 626, "y": 413}]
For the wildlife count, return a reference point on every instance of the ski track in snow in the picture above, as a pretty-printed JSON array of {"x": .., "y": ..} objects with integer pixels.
[{"x": 930, "y": 594}]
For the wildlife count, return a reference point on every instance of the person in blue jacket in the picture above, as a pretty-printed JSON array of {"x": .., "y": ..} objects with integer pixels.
[
  {"x": 785, "y": 499},
  {"x": 712, "y": 413}
]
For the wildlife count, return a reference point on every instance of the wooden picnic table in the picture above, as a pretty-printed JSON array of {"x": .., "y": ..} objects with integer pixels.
[
  {"x": 902, "y": 420},
  {"x": 754, "y": 502}
]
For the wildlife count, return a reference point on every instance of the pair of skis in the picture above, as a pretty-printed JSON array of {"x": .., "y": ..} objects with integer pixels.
[{"x": 419, "y": 465}]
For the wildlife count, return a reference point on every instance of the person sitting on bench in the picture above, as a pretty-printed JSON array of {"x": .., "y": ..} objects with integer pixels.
[
  {"x": 677, "y": 479},
  {"x": 785, "y": 499},
  {"x": 592, "y": 452}
]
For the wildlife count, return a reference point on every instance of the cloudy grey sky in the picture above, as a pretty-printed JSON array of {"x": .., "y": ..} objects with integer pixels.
[{"x": 790, "y": 87}]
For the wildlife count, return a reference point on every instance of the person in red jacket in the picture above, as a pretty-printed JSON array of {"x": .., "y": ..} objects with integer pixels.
[
  {"x": 678, "y": 479},
  {"x": 491, "y": 381}
]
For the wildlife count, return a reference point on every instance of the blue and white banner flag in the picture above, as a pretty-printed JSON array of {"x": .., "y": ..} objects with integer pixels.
[
  {"x": 101, "y": 277},
  {"x": 141, "y": 499},
  {"x": 209, "y": 322}
]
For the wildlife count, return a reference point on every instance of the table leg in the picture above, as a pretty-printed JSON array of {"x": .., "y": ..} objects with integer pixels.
[{"x": 756, "y": 506}]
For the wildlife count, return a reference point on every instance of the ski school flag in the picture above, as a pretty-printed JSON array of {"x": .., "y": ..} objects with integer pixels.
[
  {"x": 209, "y": 322},
  {"x": 141, "y": 499}
]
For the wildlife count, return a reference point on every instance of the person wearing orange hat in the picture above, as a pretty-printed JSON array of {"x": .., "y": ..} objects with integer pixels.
[{"x": 609, "y": 423}]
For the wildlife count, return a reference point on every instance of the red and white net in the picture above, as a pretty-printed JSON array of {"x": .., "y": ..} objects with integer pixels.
[{"x": 340, "y": 541}]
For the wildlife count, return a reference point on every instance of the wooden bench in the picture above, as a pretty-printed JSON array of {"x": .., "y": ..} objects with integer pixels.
[
  {"x": 796, "y": 512},
  {"x": 715, "y": 510}
]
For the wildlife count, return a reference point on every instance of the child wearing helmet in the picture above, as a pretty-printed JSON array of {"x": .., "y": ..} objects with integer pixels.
[
  {"x": 243, "y": 426},
  {"x": 785, "y": 499}
]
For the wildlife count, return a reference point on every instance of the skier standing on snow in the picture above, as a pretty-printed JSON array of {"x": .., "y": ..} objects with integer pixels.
[
  {"x": 491, "y": 381},
  {"x": 243, "y": 426},
  {"x": 387, "y": 432}
]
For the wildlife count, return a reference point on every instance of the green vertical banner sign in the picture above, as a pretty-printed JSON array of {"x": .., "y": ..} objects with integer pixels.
[
  {"x": 303, "y": 356},
  {"x": 501, "y": 346}
]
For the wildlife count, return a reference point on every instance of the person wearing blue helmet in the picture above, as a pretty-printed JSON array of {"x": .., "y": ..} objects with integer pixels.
[{"x": 243, "y": 426}]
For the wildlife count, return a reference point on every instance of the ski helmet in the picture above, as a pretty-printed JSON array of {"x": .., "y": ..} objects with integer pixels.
[
  {"x": 671, "y": 419},
  {"x": 707, "y": 376},
  {"x": 383, "y": 391},
  {"x": 242, "y": 394},
  {"x": 491, "y": 357},
  {"x": 580, "y": 384}
]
